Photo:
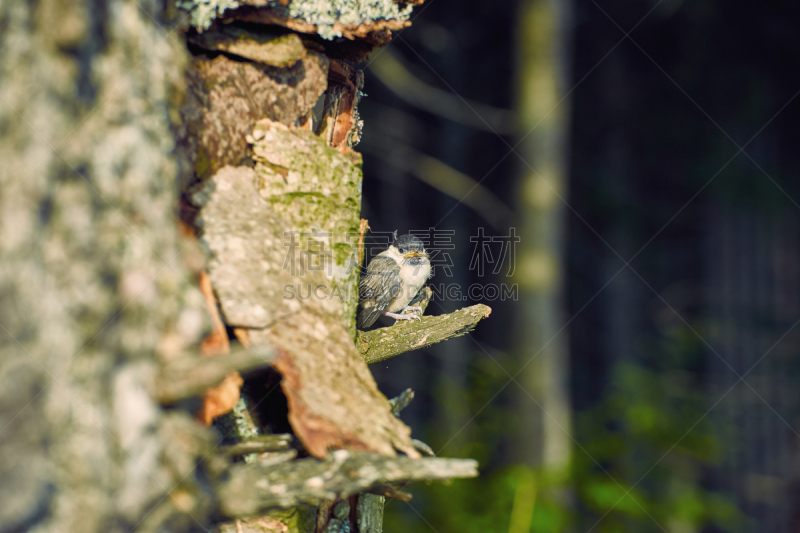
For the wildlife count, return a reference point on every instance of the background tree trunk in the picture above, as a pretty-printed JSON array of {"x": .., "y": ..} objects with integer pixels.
[{"x": 542, "y": 397}]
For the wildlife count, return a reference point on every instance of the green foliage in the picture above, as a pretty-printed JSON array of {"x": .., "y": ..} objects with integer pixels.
[
  {"x": 646, "y": 444},
  {"x": 638, "y": 466}
]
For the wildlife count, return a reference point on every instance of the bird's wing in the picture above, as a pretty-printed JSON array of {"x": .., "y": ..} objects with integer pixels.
[{"x": 379, "y": 285}]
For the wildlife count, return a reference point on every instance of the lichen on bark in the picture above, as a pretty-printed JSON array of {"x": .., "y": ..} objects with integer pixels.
[
  {"x": 270, "y": 47},
  {"x": 326, "y": 15}
]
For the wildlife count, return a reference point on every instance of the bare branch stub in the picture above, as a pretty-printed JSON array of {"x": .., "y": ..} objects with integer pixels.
[
  {"x": 384, "y": 343},
  {"x": 390, "y": 491},
  {"x": 401, "y": 402},
  {"x": 261, "y": 444},
  {"x": 192, "y": 376}
]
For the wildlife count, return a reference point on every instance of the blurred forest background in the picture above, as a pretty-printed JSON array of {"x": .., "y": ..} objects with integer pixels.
[{"x": 645, "y": 152}]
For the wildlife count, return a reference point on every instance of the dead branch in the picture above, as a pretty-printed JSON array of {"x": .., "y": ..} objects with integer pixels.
[
  {"x": 401, "y": 402},
  {"x": 192, "y": 376},
  {"x": 384, "y": 343},
  {"x": 390, "y": 491},
  {"x": 252, "y": 488},
  {"x": 261, "y": 444}
]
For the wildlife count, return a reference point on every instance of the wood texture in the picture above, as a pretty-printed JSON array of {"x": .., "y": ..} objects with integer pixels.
[
  {"x": 260, "y": 444},
  {"x": 268, "y": 47},
  {"x": 227, "y": 97},
  {"x": 93, "y": 286},
  {"x": 333, "y": 399},
  {"x": 246, "y": 238}
]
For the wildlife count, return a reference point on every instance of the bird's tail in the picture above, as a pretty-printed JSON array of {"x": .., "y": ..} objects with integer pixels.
[{"x": 368, "y": 316}]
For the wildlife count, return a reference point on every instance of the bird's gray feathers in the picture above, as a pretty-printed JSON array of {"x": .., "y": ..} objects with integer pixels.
[{"x": 378, "y": 287}]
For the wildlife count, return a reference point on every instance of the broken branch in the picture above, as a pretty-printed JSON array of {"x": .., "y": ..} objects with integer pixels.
[
  {"x": 252, "y": 488},
  {"x": 401, "y": 402},
  {"x": 390, "y": 491},
  {"x": 261, "y": 444},
  {"x": 192, "y": 376},
  {"x": 384, "y": 343}
]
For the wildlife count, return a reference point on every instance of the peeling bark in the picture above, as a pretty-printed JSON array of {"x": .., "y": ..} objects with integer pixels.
[
  {"x": 269, "y": 47},
  {"x": 340, "y": 124},
  {"x": 333, "y": 399},
  {"x": 246, "y": 239},
  {"x": 103, "y": 112}
]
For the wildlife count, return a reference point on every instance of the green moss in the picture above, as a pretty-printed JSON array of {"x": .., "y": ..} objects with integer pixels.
[
  {"x": 300, "y": 519},
  {"x": 202, "y": 165},
  {"x": 318, "y": 190},
  {"x": 271, "y": 46}
]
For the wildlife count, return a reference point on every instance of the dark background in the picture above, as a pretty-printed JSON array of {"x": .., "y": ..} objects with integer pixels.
[{"x": 682, "y": 159}]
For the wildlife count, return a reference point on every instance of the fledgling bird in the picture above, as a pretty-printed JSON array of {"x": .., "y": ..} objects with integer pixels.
[{"x": 392, "y": 281}]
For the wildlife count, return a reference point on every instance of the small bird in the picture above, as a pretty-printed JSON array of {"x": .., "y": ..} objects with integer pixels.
[{"x": 392, "y": 281}]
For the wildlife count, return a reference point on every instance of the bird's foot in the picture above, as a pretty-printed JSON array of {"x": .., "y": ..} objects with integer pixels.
[
  {"x": 398, "y": 317},
  {"x": 417, "y": 310}
]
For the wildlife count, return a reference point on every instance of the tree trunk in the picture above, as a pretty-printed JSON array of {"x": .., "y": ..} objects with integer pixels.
[
  {"x": 94, "y": 282},
  {"x": 542, "y": 397}
]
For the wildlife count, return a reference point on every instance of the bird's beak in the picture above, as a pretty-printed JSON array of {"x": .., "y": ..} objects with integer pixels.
[{"x": 413, "y": 253}]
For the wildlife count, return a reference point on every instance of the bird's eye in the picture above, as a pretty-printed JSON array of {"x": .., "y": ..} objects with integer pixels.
[{"x": 402, "y": 250}]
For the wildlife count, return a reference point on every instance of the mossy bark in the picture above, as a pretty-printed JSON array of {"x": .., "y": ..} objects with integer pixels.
[{"x": 384, "y": 343}]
